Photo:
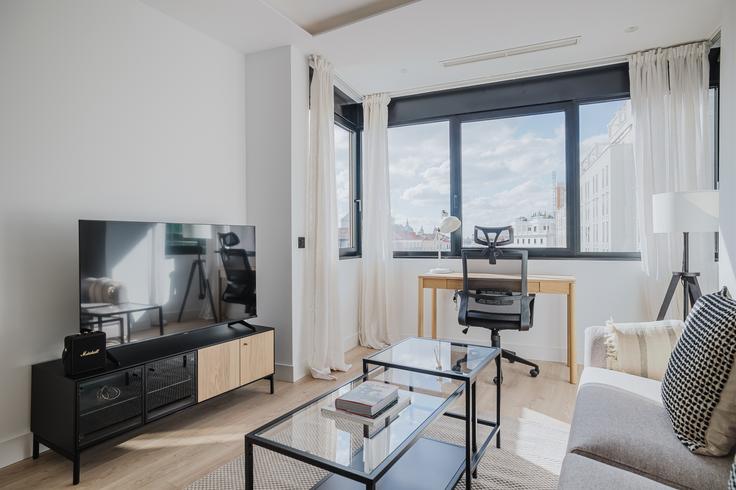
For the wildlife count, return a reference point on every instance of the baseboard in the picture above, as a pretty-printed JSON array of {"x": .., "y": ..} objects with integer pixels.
[
  {"x": 284, "y": 372},
  {"x": 530, "y": 351},
  {"x": 17, "y": 449},
  {"x": 538, "y": 352}
]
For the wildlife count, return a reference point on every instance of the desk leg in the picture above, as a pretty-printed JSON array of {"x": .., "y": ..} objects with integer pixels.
[
  {"x": 571, "y": 361},
  {"x": 434, "y": 313},
  {"x": 420, "y": 309}
]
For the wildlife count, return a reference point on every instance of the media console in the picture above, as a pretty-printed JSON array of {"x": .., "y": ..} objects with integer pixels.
[{"x": 149, "y": 380}]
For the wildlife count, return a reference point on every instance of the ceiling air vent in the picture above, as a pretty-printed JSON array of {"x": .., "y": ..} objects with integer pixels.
[{"x": 505, "y": 53}]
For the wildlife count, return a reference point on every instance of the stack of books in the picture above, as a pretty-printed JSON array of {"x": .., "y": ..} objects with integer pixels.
[
  {"x": 368, "y": 399},
  {"x": 373, "y": 405}
]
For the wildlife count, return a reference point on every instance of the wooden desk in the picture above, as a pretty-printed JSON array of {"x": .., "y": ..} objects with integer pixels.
[{"x": 537, "y": 284}]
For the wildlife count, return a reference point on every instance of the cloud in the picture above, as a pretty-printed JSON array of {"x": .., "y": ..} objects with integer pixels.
[{"x": 508, "y": 169}]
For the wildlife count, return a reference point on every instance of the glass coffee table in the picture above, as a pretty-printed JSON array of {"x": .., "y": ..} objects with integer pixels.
[{"x": 433, "y": 374}]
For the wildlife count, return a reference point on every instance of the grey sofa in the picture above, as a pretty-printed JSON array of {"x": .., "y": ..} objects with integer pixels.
[{"x": 621, "y": 436}]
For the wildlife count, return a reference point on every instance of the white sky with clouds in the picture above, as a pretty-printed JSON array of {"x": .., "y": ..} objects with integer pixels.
[{"x": 508, "y": 167}]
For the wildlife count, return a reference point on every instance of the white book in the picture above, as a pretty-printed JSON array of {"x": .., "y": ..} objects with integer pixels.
[
  {"x": 335, "y": 413},
  {"x": 368, "y": 398}
]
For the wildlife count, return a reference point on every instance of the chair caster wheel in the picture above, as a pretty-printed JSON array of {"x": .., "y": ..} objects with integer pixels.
[
  {"x": 534, "y": 373},
  {"x": 511, "y": 361},
  {"x": 495, "y": 380}
]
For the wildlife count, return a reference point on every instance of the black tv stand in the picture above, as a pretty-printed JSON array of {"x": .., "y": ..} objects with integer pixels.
[
  {"x": 111, "y": 357},
  {"x": 143, "y": 382},
  {"x": 241, "y": 322}
]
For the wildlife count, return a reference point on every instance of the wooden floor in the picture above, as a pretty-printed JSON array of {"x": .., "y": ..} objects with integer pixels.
[{"x": 177, "y": 450}]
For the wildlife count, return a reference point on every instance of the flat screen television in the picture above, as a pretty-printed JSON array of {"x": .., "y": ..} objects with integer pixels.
[{"x": 141, "y": 280}]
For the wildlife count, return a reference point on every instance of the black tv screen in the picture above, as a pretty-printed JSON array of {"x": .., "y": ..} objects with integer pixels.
[{"x": 140, "y": 280}]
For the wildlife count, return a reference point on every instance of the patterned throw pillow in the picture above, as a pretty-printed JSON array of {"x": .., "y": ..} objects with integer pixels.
[
  {"x": 732, "y": 480},
  {"x": 698, "y": 390},
  {"x": 641, "y": 349}
]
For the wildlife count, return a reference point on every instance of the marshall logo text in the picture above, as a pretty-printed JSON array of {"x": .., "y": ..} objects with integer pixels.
[{"x": 89, "y": 353}]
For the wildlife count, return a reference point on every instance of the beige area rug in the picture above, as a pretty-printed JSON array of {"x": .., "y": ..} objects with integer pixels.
[{"x": 530, "y": 458}]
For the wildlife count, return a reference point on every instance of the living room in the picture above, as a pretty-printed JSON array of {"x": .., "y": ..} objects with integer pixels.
[{"x": 441, "y": 196}]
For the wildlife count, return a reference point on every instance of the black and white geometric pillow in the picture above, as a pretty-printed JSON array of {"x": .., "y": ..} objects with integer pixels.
[
  {"x": 732, "y": 480},
  {"x": 698, "y": 390}
]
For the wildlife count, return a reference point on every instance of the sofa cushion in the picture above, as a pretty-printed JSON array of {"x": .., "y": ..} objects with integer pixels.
[
  {"x": 642, "y": 349},
  {"x": 699, "y": 386},
  {"x": 632, "y": 432},
  {"x": 644, "y": 387},
  {"x": 579, "y": 472}
]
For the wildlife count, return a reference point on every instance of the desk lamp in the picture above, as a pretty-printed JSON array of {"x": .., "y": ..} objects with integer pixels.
[{"x": 448, "y": 224}]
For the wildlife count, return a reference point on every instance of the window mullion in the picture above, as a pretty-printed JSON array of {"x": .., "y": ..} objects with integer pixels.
[
  {"x": 456, "y": 182},
  {"x": 572, "y": 165}
]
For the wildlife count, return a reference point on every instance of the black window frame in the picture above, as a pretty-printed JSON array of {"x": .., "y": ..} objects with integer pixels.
[
  {"x": 560, "y": 92},
  {"x": 349, "y": 115}
]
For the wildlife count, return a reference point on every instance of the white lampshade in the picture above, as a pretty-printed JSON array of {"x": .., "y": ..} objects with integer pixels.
[
  {"x": 679, "y": 212},
  {"x": 449, "y": 224},
  {"x": 197, "y": 231}
]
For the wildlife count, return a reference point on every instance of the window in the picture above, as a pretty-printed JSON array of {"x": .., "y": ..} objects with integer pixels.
[
  {"x": 607, "y": 154},
  {"x": 177, "y": 243},
  {"x": 419, "y": 168},
  {"x": 513, "y": 173},
  {"x": 347, "y": 196},
  {"x": 550, "y": 155},
  {"x": 343, "y": 180}
]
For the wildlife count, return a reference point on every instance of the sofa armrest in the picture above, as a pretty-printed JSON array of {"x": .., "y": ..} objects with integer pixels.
[{"x": 595, "y": 347}]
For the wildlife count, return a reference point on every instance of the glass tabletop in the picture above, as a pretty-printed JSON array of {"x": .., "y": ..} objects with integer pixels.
[
  {"x": 317, "y": 431},
  {"x": 442, "y": 357}
]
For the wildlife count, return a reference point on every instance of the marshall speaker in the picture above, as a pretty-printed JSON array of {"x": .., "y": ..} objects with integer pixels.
[{"x": 84, "y": 352}]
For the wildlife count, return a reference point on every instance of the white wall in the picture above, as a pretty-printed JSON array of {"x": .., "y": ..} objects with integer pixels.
[
  {"x": 727, "y": 113},
  {"x": 604, "y": 289},
  {"x": 269, "y": 154},
  {"x": 110, "y": 110}
]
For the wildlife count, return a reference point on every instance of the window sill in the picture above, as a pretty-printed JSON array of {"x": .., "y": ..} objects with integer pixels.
[{"x": 630, "y": 257}]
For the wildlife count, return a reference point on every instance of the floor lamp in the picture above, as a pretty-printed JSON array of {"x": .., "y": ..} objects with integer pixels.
[{"x": 684, "y": 212}]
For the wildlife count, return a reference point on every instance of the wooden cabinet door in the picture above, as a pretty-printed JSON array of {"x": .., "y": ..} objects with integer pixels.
[
  {"x": 256, "y": 357},
  {"x": 218, "y": 369}
]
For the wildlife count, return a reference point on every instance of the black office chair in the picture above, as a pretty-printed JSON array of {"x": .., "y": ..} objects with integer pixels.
[
  {"x": 496, "y": 309},
  {"x": 239, "y": 273}
]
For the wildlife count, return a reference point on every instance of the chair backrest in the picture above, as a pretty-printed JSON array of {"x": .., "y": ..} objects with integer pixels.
[
  {"x": 504, "y": 308},
  {"x": 239, "y": 274}
]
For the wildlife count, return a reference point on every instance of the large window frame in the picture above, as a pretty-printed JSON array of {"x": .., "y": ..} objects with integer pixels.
[
  {"x": 564, "y": 92},
  {"x": 348, "y": 116}
]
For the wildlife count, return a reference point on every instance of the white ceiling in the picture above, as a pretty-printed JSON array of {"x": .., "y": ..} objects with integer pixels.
[
  {"x": 318, "y": 16},
  {"x": 401, "y": 49}
]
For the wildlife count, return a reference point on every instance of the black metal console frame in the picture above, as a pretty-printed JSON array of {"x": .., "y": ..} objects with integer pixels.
[{"x": 48, "y": 380}]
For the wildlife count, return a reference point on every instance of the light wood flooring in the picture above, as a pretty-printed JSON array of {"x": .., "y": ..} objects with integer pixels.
[{"x": 174, "y": 451}]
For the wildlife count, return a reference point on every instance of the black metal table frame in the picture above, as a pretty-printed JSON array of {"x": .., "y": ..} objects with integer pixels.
[
  {"x": 128, "y": 317},
  {"x": 473, "y": 453}
]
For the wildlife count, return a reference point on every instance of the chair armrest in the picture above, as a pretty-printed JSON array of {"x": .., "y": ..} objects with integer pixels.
[{"x": 595, "y": 347}]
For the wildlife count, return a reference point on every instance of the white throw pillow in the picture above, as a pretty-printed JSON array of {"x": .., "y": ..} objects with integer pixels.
[{"x": 642, "y": 349}]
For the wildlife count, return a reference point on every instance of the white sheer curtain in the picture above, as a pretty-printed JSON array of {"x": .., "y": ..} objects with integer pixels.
[
  {"x": 377, "y": 250},
  {"x": 669, "y": 101},
  {"x": 323, "y": 332}
]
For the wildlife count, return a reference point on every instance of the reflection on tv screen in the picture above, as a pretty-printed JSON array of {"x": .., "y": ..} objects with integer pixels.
[{"x": 143, "y": 280}]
